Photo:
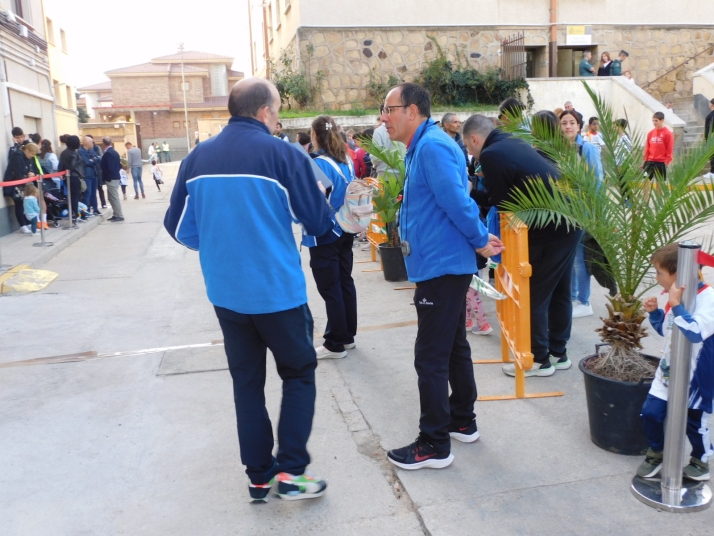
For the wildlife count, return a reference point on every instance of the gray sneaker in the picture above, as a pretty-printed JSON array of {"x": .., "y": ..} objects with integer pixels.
[
  {"x": 652, "y": 464},
  {"x": 538, "y": 369},
  {"x": 696, "y": 470},
  {"x": 560, "y": 363}
]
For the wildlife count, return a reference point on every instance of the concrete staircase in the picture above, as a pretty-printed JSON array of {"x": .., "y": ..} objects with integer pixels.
[{"x": 694, "y": 130}]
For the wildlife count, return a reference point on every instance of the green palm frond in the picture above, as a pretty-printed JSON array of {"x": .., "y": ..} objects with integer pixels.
[{"x": 628, "y": 225}]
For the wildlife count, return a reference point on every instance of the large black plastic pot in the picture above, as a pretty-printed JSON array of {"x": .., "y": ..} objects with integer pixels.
[
  {"x": 614, "y": 411},
  {"x": 393, "y": 263}
]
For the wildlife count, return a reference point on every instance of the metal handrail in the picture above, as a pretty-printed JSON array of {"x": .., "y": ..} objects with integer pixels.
[{"x": 678, "y": 66}]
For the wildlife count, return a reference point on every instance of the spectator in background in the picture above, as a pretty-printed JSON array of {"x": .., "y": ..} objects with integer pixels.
[
  {"x": 71, "y": 162},
  {"x": 593, "y": 134},
  {"x": 18, "y": 137},
  {"x": 557, "y": 112},
  {"x": 159, "y": 154},
  {"x": 152, "y": 152},
  {"x": 511, "y": 110},
  {"x": 63, "y": 144},
  {"x": 628, "y": 75},
  {"x": 360, "y": 138},
  {"x": 708, "y": 131},
  {"x": 658, "y": 148},
  {"x": 616, "y": 69},
  {"x": 280, "y": 134},
  {"x": 381, "y": 139},
  {"x": 91, "y": 163},
  {"x": 123, "y": 180},
  {"x": 111, "y": 171},
  {"x": 586, "y": 69},
  {"x": 451, "y": 124},
  {"x": 303, "y": 139},
  {"x": 135, "y": 163},
  {"x": 100, "y": 180},
  {"x": 48, "y": 159},
  {"x": 166, "y": 149},
  {"x": 605, "y": 64},
  {"x": 623, "y": 147},
  {"x": 351, "y": 139},
  {"x": 21, "y": 165},
  {"x": 35, "y": 138}
]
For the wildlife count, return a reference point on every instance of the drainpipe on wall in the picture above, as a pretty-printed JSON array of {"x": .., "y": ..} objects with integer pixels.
[
  {"x": 265, "y": 37},
  {"x": 553, "y": 45},
  {"x": 250, "y": 36}
]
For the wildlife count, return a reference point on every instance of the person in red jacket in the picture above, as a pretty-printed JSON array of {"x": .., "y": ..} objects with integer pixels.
[{"x": 658, "y": 149}]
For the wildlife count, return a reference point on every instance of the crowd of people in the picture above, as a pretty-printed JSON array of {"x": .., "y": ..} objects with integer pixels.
[
  {"x": 457, "y": 176},
  {"x": 90, "y": 168}
]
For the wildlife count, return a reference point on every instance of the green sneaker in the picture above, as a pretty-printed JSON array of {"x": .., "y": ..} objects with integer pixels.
[
  {"x": 696, "y": 470},
  {"x": 305, "y": 486},
  {"x": 560, "y": 363},
  {"x": 652, "y": 464},
  {"x": 260, "y": 493}
]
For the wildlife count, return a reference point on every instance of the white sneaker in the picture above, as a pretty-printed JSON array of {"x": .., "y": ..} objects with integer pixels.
[
  {"x": 350, "y": 346},
  {"x": 709, "y": 175},
  {"x": 25, "y": 229},
  {"x": 582, "y": 310},
  {"x": 536, "y": 370},
  {"x": 324, "y": 353}
]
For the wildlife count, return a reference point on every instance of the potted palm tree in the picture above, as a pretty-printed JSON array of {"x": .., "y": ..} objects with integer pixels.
[
  {"x": 629, "y": 219},
  {"x": 387, "y": 202}
]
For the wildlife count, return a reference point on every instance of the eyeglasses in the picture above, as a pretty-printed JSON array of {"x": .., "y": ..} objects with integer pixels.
[{"x": 388, "y": 109}]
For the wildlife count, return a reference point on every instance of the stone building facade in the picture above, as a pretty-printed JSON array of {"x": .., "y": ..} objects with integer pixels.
[{"x": 328, "y": 38}]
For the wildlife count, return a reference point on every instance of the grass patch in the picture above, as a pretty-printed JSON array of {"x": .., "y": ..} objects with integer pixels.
[{"x": 296, "y": 114}]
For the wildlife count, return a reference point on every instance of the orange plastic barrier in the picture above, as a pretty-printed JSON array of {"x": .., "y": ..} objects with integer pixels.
[{"x": 514, "y": 313}]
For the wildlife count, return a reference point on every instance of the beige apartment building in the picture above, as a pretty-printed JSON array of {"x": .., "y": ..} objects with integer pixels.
[
  {"x": 26, "y": 90},
  {"x": 66, "y": 120},
  {"x": 347, "y": 41}
]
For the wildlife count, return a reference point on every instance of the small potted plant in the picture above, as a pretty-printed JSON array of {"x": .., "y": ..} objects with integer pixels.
[
  {"x": 387, "y": 202},
  {"x": 629, "y": 219}
]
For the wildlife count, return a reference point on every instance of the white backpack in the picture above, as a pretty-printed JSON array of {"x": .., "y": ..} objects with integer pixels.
[{"x": 357, "y": 210}]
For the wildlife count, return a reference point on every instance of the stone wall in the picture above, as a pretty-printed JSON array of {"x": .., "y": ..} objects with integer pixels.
[{"x": 348, "y": 56}]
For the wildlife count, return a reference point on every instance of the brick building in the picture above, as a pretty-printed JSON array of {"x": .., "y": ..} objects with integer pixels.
[{"x": 151, "y": 96}]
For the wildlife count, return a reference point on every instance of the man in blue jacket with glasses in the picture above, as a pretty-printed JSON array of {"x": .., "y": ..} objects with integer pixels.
[
  {"x": 254, "y": 279},
  {"x": 441, "y": 232}
]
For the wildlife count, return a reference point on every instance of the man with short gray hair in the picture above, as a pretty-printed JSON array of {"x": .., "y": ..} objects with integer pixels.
[
  {"x": 508, "y": 164},
  {"x": 254, "y": 279},
  {"x": 451, "y": 124}
]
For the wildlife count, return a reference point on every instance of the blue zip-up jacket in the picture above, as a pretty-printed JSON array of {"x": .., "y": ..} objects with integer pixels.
[
  {"x": 438, "y": 217},
  {"x": 591, "y": 155},
  {"x": 90, "y": 160},
  {"x": 336, "y": 199},
  {"x": 235, "y": 199}
]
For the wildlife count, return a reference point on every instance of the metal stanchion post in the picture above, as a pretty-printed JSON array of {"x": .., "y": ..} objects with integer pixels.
[
  {"x": 672, "y": 493},
  {"x": 42, "y": 243},
  {"x": 70, "y": 224}
]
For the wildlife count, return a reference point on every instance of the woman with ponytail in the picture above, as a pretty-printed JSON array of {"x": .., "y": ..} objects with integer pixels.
[{"x": 331, "y": 254}]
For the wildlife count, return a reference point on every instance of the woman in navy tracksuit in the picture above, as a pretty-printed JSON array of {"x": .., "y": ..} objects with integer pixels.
[{"x": 331, "y": 254}]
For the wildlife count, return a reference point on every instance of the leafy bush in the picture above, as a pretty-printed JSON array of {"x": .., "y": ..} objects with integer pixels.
[
  {"x": 460, "y": 83},
  {"x": 376, "y": 86},
  {"x": 292, "y": 85}
]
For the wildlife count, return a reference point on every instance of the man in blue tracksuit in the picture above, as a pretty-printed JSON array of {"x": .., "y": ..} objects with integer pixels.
[
  {"x": 254, "y": 279},
  {"x": 441, "y": 232}
]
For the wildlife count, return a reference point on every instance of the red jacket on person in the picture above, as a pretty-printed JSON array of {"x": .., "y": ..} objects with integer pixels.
[
  {"x": 360, "y": 166},
  {"x": 659, "y": 146}
]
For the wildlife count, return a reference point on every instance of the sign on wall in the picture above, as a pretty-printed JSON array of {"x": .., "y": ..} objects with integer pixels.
[{"x": 579, "y": 35}]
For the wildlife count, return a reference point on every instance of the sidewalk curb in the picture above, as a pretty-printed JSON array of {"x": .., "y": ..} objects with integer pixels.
[{"x": 72, "y": 237}]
